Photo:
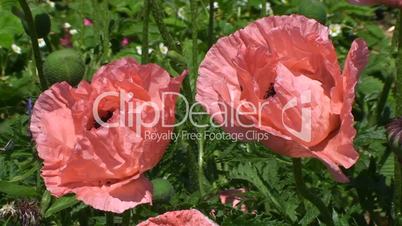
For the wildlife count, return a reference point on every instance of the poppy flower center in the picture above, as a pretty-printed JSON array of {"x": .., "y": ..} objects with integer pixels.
[
  {"x": 104, "y": 116},
  {"x": 270, "y": 92}
]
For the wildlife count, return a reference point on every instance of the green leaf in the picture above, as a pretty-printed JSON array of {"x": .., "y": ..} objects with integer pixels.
[
  {"x": 388, "y": 168},
  {"x": 16, "y": 190},
  {"x": 369, "y": 84},
  {"x": 26, "y": 173},
  {"x": 61, "y": 204},
  {"x": 45, "y": 202},
  {"x": 261, "y": 175}
]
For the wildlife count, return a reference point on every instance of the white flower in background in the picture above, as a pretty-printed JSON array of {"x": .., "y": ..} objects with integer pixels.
[
  {"x": 269, "y": 8},
  {"x": 284, "y": 1},
  {"x": 67, "y": 25},
  {"x": 181, "y": 13},
  {"x": 41, "y": 42},
  {"x": 16, "y": 49},
  {"x": 242, "y": 2},
  {"x": 50, "y": 3},
  {"x": 335, "y": 30},
  {"x": 164, "y": 49},
  {"x": 73, "y": 31},
  {"x": 391, "y": 29},
  {"x": 139, "y": 50},
  {"x": 216, "y": 5}
]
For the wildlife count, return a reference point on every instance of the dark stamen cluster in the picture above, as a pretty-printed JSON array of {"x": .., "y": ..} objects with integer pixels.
[{"x": 270, "y": 92}]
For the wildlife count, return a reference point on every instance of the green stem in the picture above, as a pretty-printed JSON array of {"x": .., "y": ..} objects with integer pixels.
[
  {"x": 211, "y": 23},
  {"x": 145, "y": 33},
  {"x": 194, "y": 67},
  {"x": 264, "y": 7},
  {"x": 34, "y": 40},
  {"x": 325, "y": 214},
  {"x": 109, "y": 219},
  {"x": 384, "y": 96},
  {"x": 398, "y": 189},
  {"x": 48, "y": 44},
  {"x": 194, "y": 37},
  {"x": 398, "y": 100},
  {"x": 126, "y": 218},
  {"x": 201, "y": 143},
  {"x": 83, "y": 217},
  {"x": 158, "y": 15}
]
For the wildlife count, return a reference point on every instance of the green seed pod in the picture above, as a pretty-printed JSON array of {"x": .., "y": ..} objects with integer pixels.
[
  {"x": 313, "y": 9},
  {"x": 64, "y": 65},
  {"x": 163, "y": 190}
]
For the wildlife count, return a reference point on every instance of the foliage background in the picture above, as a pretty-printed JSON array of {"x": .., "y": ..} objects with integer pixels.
[{"x": 267, "y": 177}]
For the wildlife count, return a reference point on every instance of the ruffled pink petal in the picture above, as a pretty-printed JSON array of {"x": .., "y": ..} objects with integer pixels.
[
  {"x": 117, "y": 198},
  {"x": 191, "y": 217},
  {"x": 308, "y": 128},
  {"x": 56, "y": 120},
  {"x": 339, "y": 149}
]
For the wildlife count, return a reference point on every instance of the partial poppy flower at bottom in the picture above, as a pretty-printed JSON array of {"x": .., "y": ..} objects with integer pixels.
[
  {"x": 234, "y": 198},
  {"x": 278, "y": 81},
  {"x": 103, "y": 162},
  {"x": 191, "y": 217},
  {"x": 392, "y": 3}
]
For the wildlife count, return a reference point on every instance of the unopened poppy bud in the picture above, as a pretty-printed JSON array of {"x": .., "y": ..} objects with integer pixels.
[
  {"x": 162, "y": 190},
  {"x": 42, "y": 22},
  {"x": 64, "y": 65},
  {"x": 394, "y": 132},
  {"x": 313, "y": 9}
]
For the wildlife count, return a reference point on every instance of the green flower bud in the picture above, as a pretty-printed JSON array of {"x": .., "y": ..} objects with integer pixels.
[
  {"x": 313, "y": 9},
  {"x": 42, "y": 24},
  {"x": 41, "y": 19},
  {"x": 64, "y": 65},
  {"x": 163, "y": 190}
]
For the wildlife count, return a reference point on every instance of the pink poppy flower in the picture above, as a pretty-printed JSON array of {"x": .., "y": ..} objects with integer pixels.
[
  {"x": 191, "y": 217},
  {"x": 393, "y": 3},
  {"x": 102, "y": 165},
  {"x": 278, "y": 81},
  {"x": 233, "y": 197},
  {"x": 66, "y": 40},
  {"x": 125, "y": 41},
  {"x": 88, "y": 22}
]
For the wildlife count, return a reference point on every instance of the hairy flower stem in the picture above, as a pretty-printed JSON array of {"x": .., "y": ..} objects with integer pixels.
[
  {"x": 398, "y": 98},
  {"x": 325, "y": 214},
  {"x": 158, "y": 15},
  {"x": 194, "y": 73},
  {"x": 145, "y": 43},
  {"x": 109, "y": 219},
  {"x": 126, "y": 218},
  {"x": 48, "y": 43},
  {"x": 34, "y": 40},
  {"x": 201, "y": 143},
  {"x": 264, "y": 8},
  {"x": 211, "y": 23}
]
